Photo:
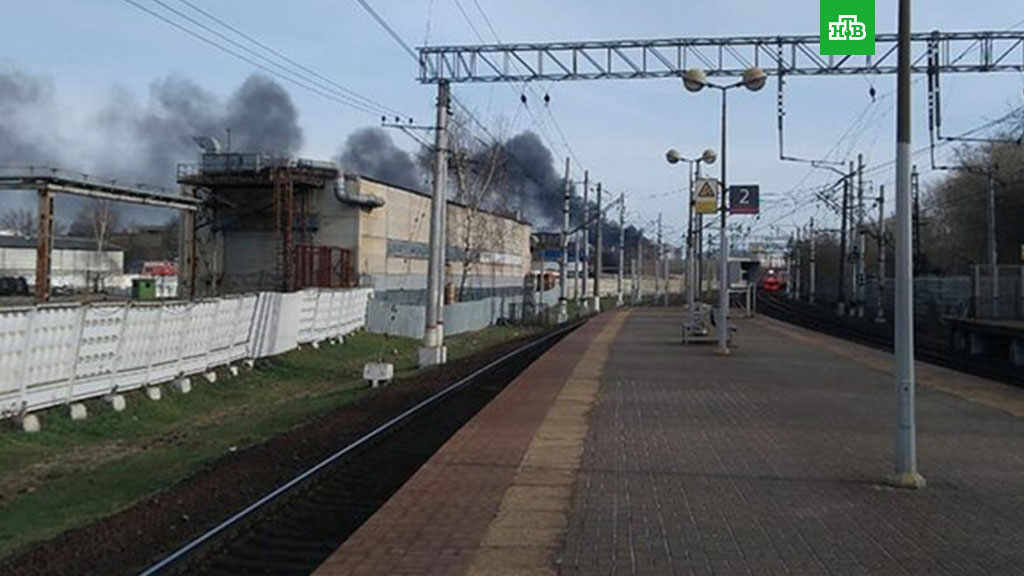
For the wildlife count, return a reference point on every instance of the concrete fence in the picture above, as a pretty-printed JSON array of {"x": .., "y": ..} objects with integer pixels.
[
  {"x": 62, "y": 354},
  {"x": 408, "y": 320}
]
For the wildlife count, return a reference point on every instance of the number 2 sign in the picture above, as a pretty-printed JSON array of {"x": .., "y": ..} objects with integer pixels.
[{"x": 744, "y": 199}]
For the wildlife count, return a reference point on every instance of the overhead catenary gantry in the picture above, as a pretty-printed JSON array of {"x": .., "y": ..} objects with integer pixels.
[
  {"x": 731, "y": 56},
  {"x": 752, "y": 57},
  {"x": 986, "y": 51}
]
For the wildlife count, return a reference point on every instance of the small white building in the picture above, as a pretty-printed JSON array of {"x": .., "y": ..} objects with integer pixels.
[{"x": 76, "y": 262}]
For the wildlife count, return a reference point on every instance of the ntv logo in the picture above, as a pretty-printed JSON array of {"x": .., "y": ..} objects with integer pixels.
[{"x": 847, "y": 28}]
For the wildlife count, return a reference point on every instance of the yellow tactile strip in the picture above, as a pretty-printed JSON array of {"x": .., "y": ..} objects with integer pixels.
[
  {"x": 971, "y": 388},
  {"x": 532, "y": 518}
]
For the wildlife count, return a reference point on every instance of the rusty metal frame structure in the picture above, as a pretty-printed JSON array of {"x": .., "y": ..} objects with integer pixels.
[
  {"x": 959, "y": 52},
  {"x": 284, "y": 222},
  {"x": 47, "y": 181},
  {"x": 323, "y": 267},
  {"x": 286, "y": 180}
]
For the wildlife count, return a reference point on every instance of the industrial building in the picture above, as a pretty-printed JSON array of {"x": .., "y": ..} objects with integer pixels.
[
  {"x": 76, "y": 264},
  {"x": 273, "y": 223}
]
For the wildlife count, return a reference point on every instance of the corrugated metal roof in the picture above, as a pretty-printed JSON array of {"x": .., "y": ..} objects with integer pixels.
[{"x": 59, "y": 243}]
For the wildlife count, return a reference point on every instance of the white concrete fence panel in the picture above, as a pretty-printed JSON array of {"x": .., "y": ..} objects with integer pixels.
[{"x": 62, "y": 353}]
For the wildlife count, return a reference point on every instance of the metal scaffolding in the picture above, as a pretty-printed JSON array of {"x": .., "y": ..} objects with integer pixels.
[{"x": 984, "y": 51}]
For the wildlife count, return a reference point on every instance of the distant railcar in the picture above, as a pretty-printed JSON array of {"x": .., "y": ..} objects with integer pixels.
[{"x": 771, "y": 282}]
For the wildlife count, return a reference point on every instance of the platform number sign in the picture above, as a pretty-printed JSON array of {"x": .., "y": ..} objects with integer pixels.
[{"x": 744, "y": 199}]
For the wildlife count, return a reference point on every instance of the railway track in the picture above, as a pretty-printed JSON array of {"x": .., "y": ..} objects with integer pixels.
[
  {"x": 927, "y": 347},
  {"x": 294, "y": 528}
]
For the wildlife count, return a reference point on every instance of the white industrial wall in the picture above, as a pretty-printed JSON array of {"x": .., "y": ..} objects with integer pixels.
[{"x": 56, "y": 354}]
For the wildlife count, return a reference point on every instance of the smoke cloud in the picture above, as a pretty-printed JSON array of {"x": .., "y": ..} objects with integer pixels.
[
  {"x": 146, "y": 143},
  {"x": 533, "y": 185},
  {"x": 263, "y": 118},
  {"x": 528, "y": 181},
  {"x": 141, "y": 142},
  {"x": 372, "y": 153},
  {"x": 25, "y": 103}
]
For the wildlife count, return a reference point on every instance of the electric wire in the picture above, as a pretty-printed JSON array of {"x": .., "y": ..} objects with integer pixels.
[
  {"x": 372, "y": 102},
  {"x": 251, "y": 61}
]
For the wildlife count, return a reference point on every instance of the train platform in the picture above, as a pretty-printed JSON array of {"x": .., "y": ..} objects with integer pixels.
[{"x": 622, "y": 452}]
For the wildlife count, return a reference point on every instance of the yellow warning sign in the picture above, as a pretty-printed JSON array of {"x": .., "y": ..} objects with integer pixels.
[{"x": 706, "y": 196}]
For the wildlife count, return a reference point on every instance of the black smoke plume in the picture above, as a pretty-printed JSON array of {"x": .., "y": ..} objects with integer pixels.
[
  {"x": 533, "y": 185},
  {"x": 528, "y": 181},
  {"x": 150, "y": 141},
  {"x": 26, "y": 104},
  {"x": 263, "y": 118},
  {"x": 372, "y": 153},
  {"x": 142, "y": 142}
]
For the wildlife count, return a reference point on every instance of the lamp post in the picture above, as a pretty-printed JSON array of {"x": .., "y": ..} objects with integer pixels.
[
  {"x": 693, "y": 172},
  {"x": 695, "y": 80}
]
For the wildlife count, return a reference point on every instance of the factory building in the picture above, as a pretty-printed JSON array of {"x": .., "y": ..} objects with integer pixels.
[
  {"x": 286, "y": 224},
  {"x": 76, "y": 264}
]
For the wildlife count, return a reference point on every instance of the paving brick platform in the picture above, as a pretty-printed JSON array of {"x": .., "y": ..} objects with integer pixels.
[
  {"x": 436, "y": 523},
  {"x": 770, "y": 461},
  {"x": 622, "y": 452}
]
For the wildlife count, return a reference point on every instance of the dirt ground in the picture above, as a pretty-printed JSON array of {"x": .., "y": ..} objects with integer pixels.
[{"x": 131, "y": 539}]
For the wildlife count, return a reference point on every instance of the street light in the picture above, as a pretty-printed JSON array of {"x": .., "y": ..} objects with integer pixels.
[
  {"x": 695, "y": 80},
  {"x": 707, "y": 157}
]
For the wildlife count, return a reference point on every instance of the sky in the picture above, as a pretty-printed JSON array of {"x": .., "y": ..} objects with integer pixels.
[{"x": 93, "y": 52}]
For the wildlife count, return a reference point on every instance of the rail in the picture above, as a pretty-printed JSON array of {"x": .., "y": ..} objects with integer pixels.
[
  {"x": 183, "y": 553},
  {"x": 932, "y": 348}
]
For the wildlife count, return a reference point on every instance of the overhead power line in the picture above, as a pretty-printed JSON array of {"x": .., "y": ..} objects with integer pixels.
[
  {"x": 364, "y": 99},
  {"x": 525, "y": 104},
  {"x": 252, "y": 59},
  {"x": 387, "y": 28},
  {"x": 456, "y": 101}
]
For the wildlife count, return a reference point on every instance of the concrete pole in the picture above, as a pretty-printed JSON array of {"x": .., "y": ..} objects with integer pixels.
[
  {"x": 799, "y": 263},
  {"x": 576, "y": 268},
  {"x": 880, "y": 315},
  {"x": 622, "y": 246},
  {"x": 659, "y": 288},
  {"x": 906, "y": 474},
  {"x": 700, "y": 255},
  {"x": 841, "y": 294},
  {"x": 790, "y": 276},
  {"x": 632, "y": 275},
  {"x": 861, "y": 240},
  {"x": 563, "y": 266},
  {"x": 599, "y": 261},
  {"x": 691, "y": 254},
  {"x": 640, "y": 267},
  {"x": 813, "y": 280},
  {"x": 586, "y": 237},
  {"x": 993, "y": 254},
  {"x": 433, "y": 351},
  {"x": 723, "y": 245}
]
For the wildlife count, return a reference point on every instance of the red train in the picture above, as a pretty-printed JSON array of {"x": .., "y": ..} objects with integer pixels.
[{"x": 772, "y": 282}]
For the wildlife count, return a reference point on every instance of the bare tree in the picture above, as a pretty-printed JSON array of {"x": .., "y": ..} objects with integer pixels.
[
  {"x": 954, "y": 212},
  {"x": 20, "y": 221},
  {"x": 97, "y": 221},
  {"x": 478, "y": 169}
]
